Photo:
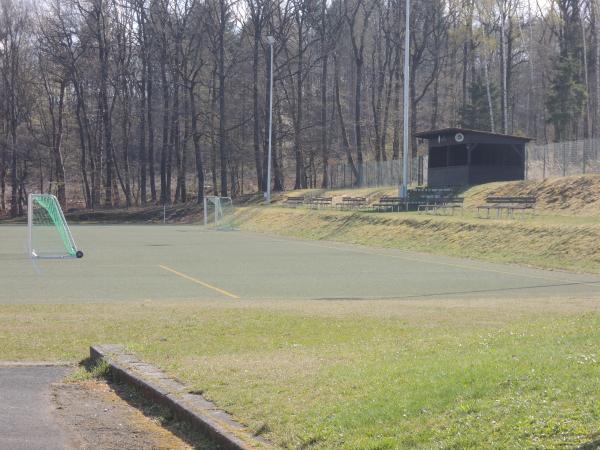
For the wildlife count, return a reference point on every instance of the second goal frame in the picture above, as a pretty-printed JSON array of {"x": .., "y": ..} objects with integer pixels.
[{"x": 219, "y": 212}]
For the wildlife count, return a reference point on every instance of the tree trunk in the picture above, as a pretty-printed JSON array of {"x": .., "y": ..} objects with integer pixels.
[
  {"x": 397, "y": 112},
  {"x": 277, "y": 158},
  {"x": 467, "y": 51},
  {"x": 386, "y": 114},
  {"x": 14, "y": 209},
  {"x": 184, "y": 146},
  {"x": 357, "y": 119},
  {"x": 197, "y": 148},
  {"x": 126, "y": 131},
  {"x": 3, "y": 178},
  {"x": 142, "y": 150},
  {"x": 265, "y": 155},
  {"x": 150, "y": 118},
  {"x": 504, "y": 70},
  {"x": 324, "y": 140},
  {"x": 587, "y": 122},
  {"x": 175, "y": 138},
  {"x": 165, "y": 191},
  {"x": 59, "y": 166},
  {"x": 338, "y": 103},
  {"x": 489, "y": 95},
  {"x": 83, "y": 156},
  {"x": 213, "y": 135},
  {"x": 255, "y": 109},
  {"x": 300, "y": 182},
  {"x": 104, "y": 107},
  {"x": 324, "y": 67}
]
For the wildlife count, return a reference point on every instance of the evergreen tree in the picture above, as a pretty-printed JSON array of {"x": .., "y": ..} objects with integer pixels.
[
  {"x": 476, "y": 114},
  {"x": 566, "y": 98}
]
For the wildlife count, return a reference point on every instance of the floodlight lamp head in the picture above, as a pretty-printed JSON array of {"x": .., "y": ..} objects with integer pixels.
[{"x": 270, "y": 40}]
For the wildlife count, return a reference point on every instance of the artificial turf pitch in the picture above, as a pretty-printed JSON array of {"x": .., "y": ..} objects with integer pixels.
[{"x": 152, "y": 262}]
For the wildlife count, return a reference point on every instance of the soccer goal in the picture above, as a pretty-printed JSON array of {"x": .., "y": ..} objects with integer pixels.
[
  {"x": 218, "y": 212},
  {"x": 49, "y": 235}
]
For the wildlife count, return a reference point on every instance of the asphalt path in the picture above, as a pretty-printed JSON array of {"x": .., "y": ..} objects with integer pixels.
[{"x": 27, "y": 419}]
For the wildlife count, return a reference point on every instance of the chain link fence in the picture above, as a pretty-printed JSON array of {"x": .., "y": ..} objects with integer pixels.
[{"x": 562, "y": 159}]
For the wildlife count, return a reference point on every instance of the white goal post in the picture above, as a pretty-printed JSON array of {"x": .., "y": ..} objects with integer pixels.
[
  {"x": 48, "y": 234},
  {"x": 218, "y": 212}
]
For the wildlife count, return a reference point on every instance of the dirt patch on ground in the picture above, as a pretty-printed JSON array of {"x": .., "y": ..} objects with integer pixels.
[{"x": 105, "y": 416}]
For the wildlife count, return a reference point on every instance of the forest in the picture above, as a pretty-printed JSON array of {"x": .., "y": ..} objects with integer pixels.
[{"x": 119, "y": 103}]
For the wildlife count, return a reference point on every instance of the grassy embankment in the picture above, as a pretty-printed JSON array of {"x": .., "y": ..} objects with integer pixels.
[{"x": 564, "y": 233}]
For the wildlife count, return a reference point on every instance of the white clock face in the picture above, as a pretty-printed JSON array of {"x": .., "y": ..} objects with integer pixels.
[{"x": 459, "y": 137}]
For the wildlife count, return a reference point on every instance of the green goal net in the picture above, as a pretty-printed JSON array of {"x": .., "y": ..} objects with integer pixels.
[{"x": 49, "y": 235}]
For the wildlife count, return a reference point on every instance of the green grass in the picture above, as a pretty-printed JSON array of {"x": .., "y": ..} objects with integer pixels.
[
  {"x": 544, "y": 241},
  {"x": 90, "y": 370},
  {"x": 377, "y": 374}
]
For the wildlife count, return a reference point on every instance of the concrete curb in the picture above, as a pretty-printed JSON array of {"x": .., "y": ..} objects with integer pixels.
[{"x": 201, "y": 414}]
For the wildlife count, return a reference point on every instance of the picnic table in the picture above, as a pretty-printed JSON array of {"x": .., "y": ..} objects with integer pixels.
[
  {"x": 293, "y": 201},
  {"x": 508, "y": 204},
  {"x": 320, "y": 202},
  {"x": 352, "y": 202},
  {"x": 387, "y": 203},
  {"x": 442, "y": 205}
]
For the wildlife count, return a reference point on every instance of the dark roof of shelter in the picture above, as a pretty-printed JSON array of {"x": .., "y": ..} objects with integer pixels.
[{"x": 446, "y": 131}]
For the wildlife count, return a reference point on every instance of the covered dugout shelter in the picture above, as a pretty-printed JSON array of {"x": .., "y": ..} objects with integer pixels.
[{"x": 459, "y": 157}]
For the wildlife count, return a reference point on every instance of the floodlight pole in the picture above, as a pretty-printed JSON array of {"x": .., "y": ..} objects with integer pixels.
[
  {"x": 404, "y": 186},
  {"x": 270, "y": 41}
]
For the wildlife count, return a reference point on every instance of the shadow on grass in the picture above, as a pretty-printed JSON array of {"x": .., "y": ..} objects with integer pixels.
[
  {"x": 157, "y": 413},
  {"x": 592, "y": 445}
]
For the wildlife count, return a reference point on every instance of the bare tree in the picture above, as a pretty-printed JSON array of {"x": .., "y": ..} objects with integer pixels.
[
  {"x": 357, "y": 14},
  {"x": 14, "y": 30}
]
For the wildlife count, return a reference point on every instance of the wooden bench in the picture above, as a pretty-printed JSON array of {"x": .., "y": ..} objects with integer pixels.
[
  {"x": 433, "y": 199},
  {"x": 508, "y": 204},
  {"x": 320, "y": 202},
  {"x": 293, "y": 201},
  {"x": 442, "y": 205},
  {"x": 352, "y": 202},
  {"x": 389, "y": 203}
]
